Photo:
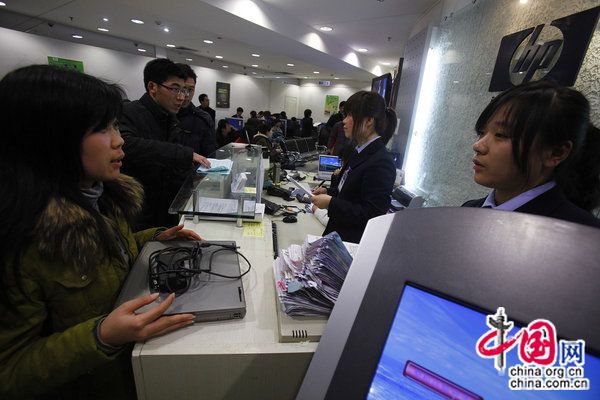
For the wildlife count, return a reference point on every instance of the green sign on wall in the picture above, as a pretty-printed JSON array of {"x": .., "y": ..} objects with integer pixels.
[
  {"x": 63, "y": 62},
  {"x": 331, "y": 104}
]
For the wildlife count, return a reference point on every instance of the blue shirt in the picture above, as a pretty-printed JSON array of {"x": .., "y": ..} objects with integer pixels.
[{"x": 518, "y": 201}]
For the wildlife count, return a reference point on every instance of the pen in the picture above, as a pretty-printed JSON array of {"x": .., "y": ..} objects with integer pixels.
[{"x": 320, "y": 184}]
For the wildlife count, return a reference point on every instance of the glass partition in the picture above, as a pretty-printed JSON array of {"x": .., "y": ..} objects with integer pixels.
[{"x": 230, "y": 189}]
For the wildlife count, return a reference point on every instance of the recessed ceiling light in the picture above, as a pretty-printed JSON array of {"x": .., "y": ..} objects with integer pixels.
[
  {"x": 137, "y": 21},
  {"x": 2, "y": 4},
  {"x": 165, "y": 29},
  {"x": 386, "y": 63},
  {"x": 225, "y": 66},
  {"x": 277, "y": 77},
  {"x": 523, "y": 2},
  {"x": 219, "y": 57},
  {"x": 306, "y": 77},
  {"x": 362, "y": 50},
  {"x": 253, "y": 73},
  {"x": 77, "y": 36},
  {"x": 103, "y": 29},
  {"x": 315, "y": 72},
  {"x": 290, "y": 64},
  {"x": 105, "y": 19},
  {"x": 189, "y": 59},
  {"x": 326, "y": 28},
  {"x": 208, "y": 41},
  {"x": 142, "y": 50},
  {"x": 171, "y": 45},
  {"x": 254, "y": 65},
  {"x": 255, "y": 55},
  {"x": 336, "y": 78}
]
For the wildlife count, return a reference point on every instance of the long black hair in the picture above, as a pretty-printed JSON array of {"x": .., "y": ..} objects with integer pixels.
[
  {"x": 44, "y": 113},
  {"x": 545, "y": 114},
  {"x": 362, "y": 105}
]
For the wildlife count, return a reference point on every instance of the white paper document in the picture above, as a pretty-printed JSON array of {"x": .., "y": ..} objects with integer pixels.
[
  {"x": 217, "y": 206},
  {"x": 299, "y": 186}
]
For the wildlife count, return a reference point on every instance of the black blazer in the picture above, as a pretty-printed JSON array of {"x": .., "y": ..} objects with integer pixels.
[
  {"x": 554, "y": 204},
  {"x": 365, "y": 193}
]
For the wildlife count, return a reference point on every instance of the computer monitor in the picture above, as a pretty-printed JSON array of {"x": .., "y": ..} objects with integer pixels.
[
  {"x": 419, "y": 292},
  {"x": 383, "y": 85},
  {"x": 236, "y": 123}
]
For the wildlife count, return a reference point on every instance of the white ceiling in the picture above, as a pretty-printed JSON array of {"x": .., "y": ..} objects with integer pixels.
[{"x": 281, "y": 31}]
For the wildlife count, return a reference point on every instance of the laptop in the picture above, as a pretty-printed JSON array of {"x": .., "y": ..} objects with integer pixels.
[
  {"x": 328, "y": 164},
  {"x": 208, "y": 297}
]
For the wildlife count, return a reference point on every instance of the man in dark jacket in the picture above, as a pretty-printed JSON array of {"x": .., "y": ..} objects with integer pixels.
[
  {"x": 198, "y": 127},
  {"x": 204, "y": 106},
  {"x": 151, "y": 134}
]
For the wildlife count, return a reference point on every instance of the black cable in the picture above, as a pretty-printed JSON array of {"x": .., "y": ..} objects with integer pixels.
[{"x": 178, "y": 276}]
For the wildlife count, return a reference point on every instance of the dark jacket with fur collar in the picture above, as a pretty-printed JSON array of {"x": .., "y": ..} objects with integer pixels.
[{"x": 49, "y": 351}]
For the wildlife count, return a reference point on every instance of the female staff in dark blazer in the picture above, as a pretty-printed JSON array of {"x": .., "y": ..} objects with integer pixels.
[
  {"x": 539, "y": 153},
  {"x": 367, "y": 178}
]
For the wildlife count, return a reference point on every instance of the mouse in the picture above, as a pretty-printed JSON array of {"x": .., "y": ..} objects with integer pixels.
[{"x": 289, "y": 219}]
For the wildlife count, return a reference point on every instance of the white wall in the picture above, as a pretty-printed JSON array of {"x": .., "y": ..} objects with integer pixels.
[
  {"x": 312, "y": 96},
  {"x": 21, "y": 49}
]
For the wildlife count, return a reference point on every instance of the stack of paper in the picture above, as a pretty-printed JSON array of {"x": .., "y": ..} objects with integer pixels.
[
  {"x": 308, "y": 278},
  {"x": 222, "y": 166}
]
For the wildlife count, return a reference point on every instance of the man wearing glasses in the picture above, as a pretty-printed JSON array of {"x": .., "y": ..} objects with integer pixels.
[
  {"x": 197, "y": 125},
  {"x": 151, "y": 132}
]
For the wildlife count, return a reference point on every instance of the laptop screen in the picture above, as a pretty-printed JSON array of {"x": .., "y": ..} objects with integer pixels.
[{"x": 329, "y": 163}]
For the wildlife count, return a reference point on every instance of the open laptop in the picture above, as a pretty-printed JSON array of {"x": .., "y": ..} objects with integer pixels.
[
  {"x": 209, "y": 297},
  {"x": 328, "y": 164}
]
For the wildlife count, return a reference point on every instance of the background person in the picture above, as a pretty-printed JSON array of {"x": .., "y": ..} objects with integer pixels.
[
  {"x": 66, "y": 245},
  {"x": 367, "y": 178},
  {"x": 539, "y": 153}
]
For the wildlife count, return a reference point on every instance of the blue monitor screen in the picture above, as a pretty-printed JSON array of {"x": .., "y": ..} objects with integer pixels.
[
  {"x": 431, "y": 344},
  {"x": 329, "y": 163},
  {"x": 236, "y": 123}
]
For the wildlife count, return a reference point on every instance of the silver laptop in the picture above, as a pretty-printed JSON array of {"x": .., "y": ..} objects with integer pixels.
[
  {"x": 327, "y": 164},
  {"x": 209, "y": 297}
]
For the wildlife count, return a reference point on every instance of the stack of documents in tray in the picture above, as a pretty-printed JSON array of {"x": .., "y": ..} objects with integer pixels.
[{"x": 308, "y": 278}]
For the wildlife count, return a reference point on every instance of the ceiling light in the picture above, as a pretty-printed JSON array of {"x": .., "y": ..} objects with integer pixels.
[
  {"x": 362, "y": 50},
  {"x": 306, "y": 77},
  {"x": 254, "y": 65},
  {"x": 171, "y": 45},
  {"x": 105, "y": 19},
  {"x": 77, "y": 36},
  {"x": 208, "y": 41},
  {"x": 523, "y": 1},
  {"x": 386, "y": 63},
  {"x": 103, "y": 29},
  {"x": 2, "y": 4},
  {"x": 189, "y": 59},
  {"x": 253, "y": 73},
  {"x": 255, "y": 55},
  {"x": 225, "y": 66},
  {"x": 336, "y": 78},
  {"x": 326, "y": 28},
  {"x": 290, "y": 65},
  {"x": 315, "y": 72},
  {"x": 137, "y": 21},
  {"x": 165, "y": 29},
  {"x": 219, "y": 57},
  {"x": 142, "y": 50}
]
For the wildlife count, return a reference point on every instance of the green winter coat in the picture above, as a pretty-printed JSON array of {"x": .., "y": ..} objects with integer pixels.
[{"x": 49, "y": 349}]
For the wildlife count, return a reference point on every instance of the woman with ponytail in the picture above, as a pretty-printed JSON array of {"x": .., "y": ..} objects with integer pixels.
[
  {"x": 539, "y": 153},
  {"x": 367, "y": 178},
  {"x": 66, "y": 245}
]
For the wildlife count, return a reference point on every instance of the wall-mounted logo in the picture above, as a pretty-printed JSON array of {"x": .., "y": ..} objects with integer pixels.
[{"x": 552, "y": 52}]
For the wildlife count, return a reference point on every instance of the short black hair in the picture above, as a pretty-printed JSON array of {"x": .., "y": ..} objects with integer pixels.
[
  {"x": 307, "y": 113},
  {"x": 188, "y": 71},
  {"x": 240, "y": 109},
  {"x": 159, "y": 70},
  {"x": 202, "y": 97},
  {"x": 342, "y": 104}
]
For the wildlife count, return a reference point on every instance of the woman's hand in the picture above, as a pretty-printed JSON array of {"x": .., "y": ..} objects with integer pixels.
[
  {"x": 178, "y": 233},
  {"x": 123, "y": 325},
  {"x": 319, "y": 190},
  {"x": 321, "y": 200}
]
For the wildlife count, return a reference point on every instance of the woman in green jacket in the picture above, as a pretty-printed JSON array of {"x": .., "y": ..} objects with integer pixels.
[{"x": 65, "y": 240}]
